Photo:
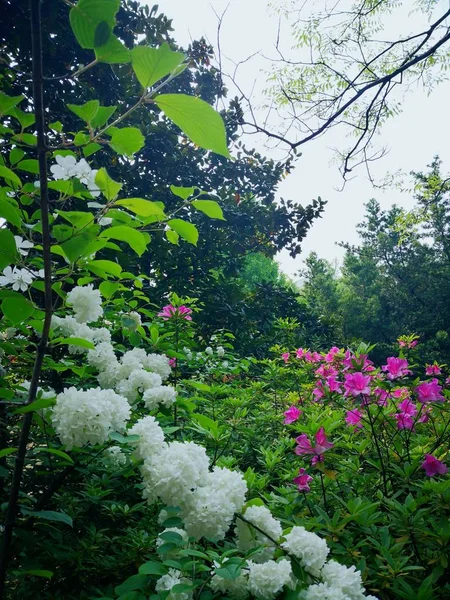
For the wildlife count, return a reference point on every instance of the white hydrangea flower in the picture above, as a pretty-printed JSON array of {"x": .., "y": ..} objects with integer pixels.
[
  {"x": 209, "y": 351},
  {"x": 236, "y": 588},
  {"x": 137, "y": 383},
  {"x": 114, "y": 457},
  {"x": 175, "y": 472},
  {"x": 323, "y": 591},
  {"x": 135, "y": 316},
  {"x": 158, "y": 363},
  {"x": 308, "y": 547},
  {"x": 151, "y": 437},
  {"x": 70, "y": 327},
  {"x": 267, "y": 579},
  {"x": 88, "y": 416},
  {"x": 248, "y": 537},
  {"x": 348, "y": 579},
  {"x": 131, "y": 361},
  {"x": 220, "y": 351},
  {"x": 23, "y": 246},
  {"x": 160, "y": 541},
  {"x": 86, "y": 303},
  {"x": 162, "y": 394},
  {"x": 102, "y": 357},
  {"x": 167, "y": 582},
  {"x": 19, "y": 279}
]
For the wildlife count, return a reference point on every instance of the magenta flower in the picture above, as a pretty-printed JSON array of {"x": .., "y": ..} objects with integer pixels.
[
  {"x": 334, "y": 385},
  {"x": 302, "y": 480},
  {"x": 382, "y": 396},
  {"x": 285, "y": 356},
  {"x": 407, "y": 344},
  {"x": 429, "y": 391},
  {"x": 360, "y": 362},
  {"x": 181, "y": 312},
  {"x": 433, "y": 466},
  {"x": 304, "y": 445},
  {"x": 353, "y": 418},
  {"x": 396, "y": 367},
  {"x": 356, "y": 384},
  {"x": 318, "y": 391},
  {"x": 408, "y": 407},
  {"x": 326, "y": 371},
  {"x": 291, "y": 415},
  {"x": 332, "y": 354},
  {"x": 400, "y": 393},
  {"x": 404, "y": 421},
  {"x": 172, "y": 362},
  {"x": 433, "y": 369},
  {"x": 300, "y": 353}
]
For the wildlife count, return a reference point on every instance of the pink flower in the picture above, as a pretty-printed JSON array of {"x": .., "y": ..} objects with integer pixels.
[
  {"x": 291, "y": 415},
  {"x": 357, "y": 383},
  {"x": 354, "y": 418},
  {"x": 304, "y": 445},
  {"x": 285, "y": 356},
  {"x": 429, "y": 391},
  {"x": 172, "y": 362},
  {"x": 169, "y": 311},
  {"x": 302, "y": 480},
  {"x": 404, "y": 421},
  {"x": 300, "y": 353},
  {"x": 334, "y": 385},
  {"x": 360, "y": 362},
  {"x": 331, "y": 354},
  {"x": 425, "y": 417},
  {"x": 318, "y": 391},
  {"x": 326, "y": 371},
  {"x": 433, "y": 369},
  {"x": 433, "y": 466},
  {"x": 401, "y": 392},
  {"x": 408, "y": 407},
  {"x": 396, "y": 367},
  {"x": 407, "y": 344},
  {"x": 382, "y": 396}
]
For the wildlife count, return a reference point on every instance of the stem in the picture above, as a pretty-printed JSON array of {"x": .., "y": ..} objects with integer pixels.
[
  {"x": 377, "y": 445},
  {"x": 324, "y": 495},
  {"x": 39, "y": 110}
]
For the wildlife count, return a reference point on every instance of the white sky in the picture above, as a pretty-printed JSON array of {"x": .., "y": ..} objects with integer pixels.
[{"x": 413, "y": 137}]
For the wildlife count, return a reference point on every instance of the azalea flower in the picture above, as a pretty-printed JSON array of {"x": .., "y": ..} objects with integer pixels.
[
  {"x": 353, "y": 418},
  {"x": 169, "y": 311},
  {"x": 360, "y": 362},
  {"x": 334, "y": 385},
  {"x": 23, "y": 245},
  {"x": 382, "y": 396},
  {"x": 356, "y": 384},
  {"x": 429, "y": 391},
  {"x": 433, "y": 369},
  {"x": 20, "y": 279},
  {"x": 318, "y": 391},
  {"x": 433, "y": 466},
  {"x": 331, "y": 354},
  {"x": 304, "y": 445},
  {"x": 408, "y": 407},
  {"x": 326, "y": 371},
  {"x": 396, "y": 367},
  {"x": 404, "y": 421},
  {"x": 300, "y": 353},
  {"x": 285, "y": 356},
  {"x": 302, "y": 480},
  {"x": 291, "y": 415}
]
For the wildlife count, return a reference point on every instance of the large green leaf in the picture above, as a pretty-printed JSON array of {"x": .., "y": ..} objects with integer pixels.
[
  {"x": 187, "y": 231},
  {"x": 210, "y": 208},
  {"x": 76, "y": 247},
  {"x": 8, "y": 248},
  {"x": 10, "y": 213},
  {"x": 113, "y": 52},
  {"x": 17, "y": 310},
  {"x": 8, "y": 102},
  {"x": 126, "y": 141},
  {"x": 152, "y": 64},
  {"x": 197, "y": 119},
  {"x": 103, "y": 114},
  {"x": 31, "y": 165},
  {"x": 50, "y": 515},
  {"x": 9, "y": 175},
  {"x": 182, "y": 192},
  {"x": 135, "y": 239},
  {"x": 107, "y": 186},
  {"x": 38, "y": 404},
  {"x": 86, "y": 111},
  {"x": 106, "y": 265},
  {"x": 141, "y": 207},
  {"x": 92, "y": 21}
]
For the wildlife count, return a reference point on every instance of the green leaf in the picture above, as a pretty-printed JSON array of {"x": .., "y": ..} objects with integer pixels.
[
  {"x": 172, "y": 236},
  {"x": 152, "y": 64},
  {"x": 141, "y": 207},
  {"x": 56, "y": 452},
  {"x": 10, "y": 213},
  {"x": 8, "y": 248},
  {"x": 15, "y": 155},
  {"x": 182, "y": 192},
  {"x": 25, "y": 118},
  {"x": 8, "y": 102},
  {"x": 76, "y": 341},
  {"x": 56, "y": 126},
  {"x": 102, "y": 34},
  {"x": 10, "y": 176},
  {"x": 113, "y": 52},
  {"x": 30, "y": 164},
  {"x": 86, "y": 111},
  {"x": 135, "y": 239},
  {"x": 90, "y": 149},
  {"x": 135, "y": 582},
  {"x": 38, "y": 573},
  {"x": 210, "y": 207},
  {"x": 7, "y": 451},
  {"x": 50, "y": 515},
  {"x": 107, "y": 186},
  {"x": 126, "y": 141},
  {"x": 103, "y": 114},
  {"x": 87, "y": 15},
  {"x": 152, "y": 568},
  {"x": 108, "y": 288},
  {"x": 197, "y": 119},
  {"x": 38, "y": 404},
  {"x": 78, "y": 245},
  {"x": 107, "y": 265},
  {"x": 187, "y": 231},
  {"x": 17, "y": 310}
]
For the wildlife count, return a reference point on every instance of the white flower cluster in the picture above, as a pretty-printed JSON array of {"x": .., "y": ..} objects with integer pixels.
[
  {"x": 114, "y": 457},
  {"x": 249, "y": 538},
  {"x": 339, "y": 583},
  {"x": 308, "y": 547},
  {"x": 86, "y": 303},
  {"x": 70, "y": 327},
  {"x": 168, "y": 581},
  {"x": 67, "y": 167},
  {"x": 267, "y": 579},
  {"x": 88, "y": 416}
]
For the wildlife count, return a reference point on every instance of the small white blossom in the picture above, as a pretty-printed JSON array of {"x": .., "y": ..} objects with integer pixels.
[
  {"x": 23, "y": 246},
  {"x": 220, "y": 351},
  {"x": 105, "y": 221},
  {"x": 209, "y": 351},
  {"x": 64, "y": 167},
  {"x": 114, "y": 457},
  {"x": 19, "y": 279},
  {"x": 151, "y": 437}
]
